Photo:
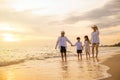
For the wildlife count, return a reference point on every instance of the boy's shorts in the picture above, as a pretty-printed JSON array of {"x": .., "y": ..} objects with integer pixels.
[
  {"x": 63, "y": 49},
  {"x": 79, "y": 51}
]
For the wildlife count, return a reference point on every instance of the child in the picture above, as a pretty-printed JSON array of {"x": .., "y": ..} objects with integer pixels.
[
  {"x": 79, "y": 47},
  {"x": 62, "y": 42},
  {"x": 87, "y": 47}
]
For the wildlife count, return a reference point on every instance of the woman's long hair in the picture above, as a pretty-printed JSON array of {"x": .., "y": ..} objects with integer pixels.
[{"x": 94, "y": 27}]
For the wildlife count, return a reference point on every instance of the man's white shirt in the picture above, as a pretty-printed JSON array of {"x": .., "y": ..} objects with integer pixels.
[{"x": 62, "y": 41}]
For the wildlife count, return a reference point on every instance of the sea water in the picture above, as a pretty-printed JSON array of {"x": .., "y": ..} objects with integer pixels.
[
  {"x": 16, "y": 55},
  {"x": 12, "y": 55}
]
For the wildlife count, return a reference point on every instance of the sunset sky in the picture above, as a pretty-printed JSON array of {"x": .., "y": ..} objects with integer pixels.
[{"x": 25, "y": 21}]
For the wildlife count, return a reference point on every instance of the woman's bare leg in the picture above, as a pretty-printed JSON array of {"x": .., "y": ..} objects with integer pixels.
[
  {"x": 97, "y": 50},
  {"x": 97, "y": 45},
  {"x": 93, "y": 46}
]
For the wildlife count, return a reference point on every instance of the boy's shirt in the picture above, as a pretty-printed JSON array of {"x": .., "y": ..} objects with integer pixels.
[{"x": 79, "y": 45}]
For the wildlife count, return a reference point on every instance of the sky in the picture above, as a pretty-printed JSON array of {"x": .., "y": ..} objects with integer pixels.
[{"x": 38, "y": 21}]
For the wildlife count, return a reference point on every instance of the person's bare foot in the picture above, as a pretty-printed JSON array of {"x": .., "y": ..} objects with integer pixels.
[
  {"x": 78, "y": 59},
  {"x": 97, "y": 59},
  {"x": 93, "y": 60},
  {"x": 62, "y": 60},
  {"x": 86, "y": 58},
  {"x": 81, "y": 59}
]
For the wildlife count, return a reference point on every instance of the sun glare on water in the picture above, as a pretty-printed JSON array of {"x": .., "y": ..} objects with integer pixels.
[
  {"x": 6, "y": 36},
  {"x": 9, "y": 38},
  {"x": 6, "y": 27}
]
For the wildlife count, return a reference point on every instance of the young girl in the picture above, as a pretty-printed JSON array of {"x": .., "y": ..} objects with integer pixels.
[
  {"x": 79, "y": 47},
  {"x": 87, "y": 47}
]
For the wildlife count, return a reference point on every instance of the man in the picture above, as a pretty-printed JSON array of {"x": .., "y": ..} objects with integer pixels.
[{"x": 62, "y": 42}]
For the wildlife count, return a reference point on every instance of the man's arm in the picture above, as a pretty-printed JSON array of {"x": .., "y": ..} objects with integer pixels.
[
  {"x": 57, "y": 43},
  {"x": 69, "y": 41}
]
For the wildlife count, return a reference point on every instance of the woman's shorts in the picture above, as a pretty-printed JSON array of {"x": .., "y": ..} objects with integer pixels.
[{"x": 95, "y": 43}]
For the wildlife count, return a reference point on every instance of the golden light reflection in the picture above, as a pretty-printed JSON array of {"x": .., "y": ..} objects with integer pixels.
[
  {"x": 4, "y": 26},
  {"x": 9, "y": 38},
  {"x": 7, "y": 74}
]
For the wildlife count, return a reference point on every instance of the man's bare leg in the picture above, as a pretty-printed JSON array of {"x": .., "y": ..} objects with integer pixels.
[
  {"x": 65, "y": 56},
  {"x": 62, "y": 56}
]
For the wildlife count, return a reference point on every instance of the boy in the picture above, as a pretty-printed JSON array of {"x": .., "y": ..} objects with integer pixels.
[
  {"x": 79, "y": 47},
  {"x": 62, "y": 41}
]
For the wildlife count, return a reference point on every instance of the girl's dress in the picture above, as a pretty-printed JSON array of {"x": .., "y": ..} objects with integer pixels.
[{"x": 87, "y": 46}]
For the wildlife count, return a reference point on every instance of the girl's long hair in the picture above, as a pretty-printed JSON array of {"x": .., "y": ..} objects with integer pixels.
[{"x": 87, "y": 39}]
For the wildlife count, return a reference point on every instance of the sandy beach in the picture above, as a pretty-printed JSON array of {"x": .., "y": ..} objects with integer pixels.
[
  {"x": 59, "y": 39},
  {"x": 55, "y": 69},
  {"x": 114, "y": 64}
]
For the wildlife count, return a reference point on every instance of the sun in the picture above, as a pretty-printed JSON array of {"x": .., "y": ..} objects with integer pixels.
[{"x": 9, "y": 38}]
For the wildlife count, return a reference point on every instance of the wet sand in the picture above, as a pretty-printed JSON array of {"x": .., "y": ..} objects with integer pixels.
[
  {"x": 54, "y": 69},
  {"x": 114, "y": 64}
]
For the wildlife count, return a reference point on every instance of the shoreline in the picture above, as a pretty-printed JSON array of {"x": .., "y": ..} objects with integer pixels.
[
  {"x": 114, "y": 64},
  {"x": 55, "y": 69}
]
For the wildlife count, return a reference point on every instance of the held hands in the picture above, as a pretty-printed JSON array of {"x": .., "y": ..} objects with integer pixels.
[{"x": 72, "y": 45}]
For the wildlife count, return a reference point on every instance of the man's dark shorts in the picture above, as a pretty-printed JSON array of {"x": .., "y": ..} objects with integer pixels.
[
  {"x": 79, "y": 51},
  {"x": 63, "y": 49}
]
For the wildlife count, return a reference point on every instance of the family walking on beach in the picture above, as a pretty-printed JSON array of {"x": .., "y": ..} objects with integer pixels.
[{"x": 62, "y": 42}]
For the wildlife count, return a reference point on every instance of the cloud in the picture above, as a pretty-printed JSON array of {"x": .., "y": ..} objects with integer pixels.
[
  {"x": 106, "y": 16},
  {"x": 25, "y": 19}
]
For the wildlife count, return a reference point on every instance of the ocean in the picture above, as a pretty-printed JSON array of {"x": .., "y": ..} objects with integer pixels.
[
  {"x": 24, "y": 58},
  {"x": 12, "y": 55}
]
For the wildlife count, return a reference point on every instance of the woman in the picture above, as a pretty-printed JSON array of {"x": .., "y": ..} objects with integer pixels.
[{"x": 95, "y": 42}]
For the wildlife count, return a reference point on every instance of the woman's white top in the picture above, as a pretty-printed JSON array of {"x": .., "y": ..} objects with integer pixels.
[
  {"x": 95, "y": 37},
  {"x": 78, "y": 45}
]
